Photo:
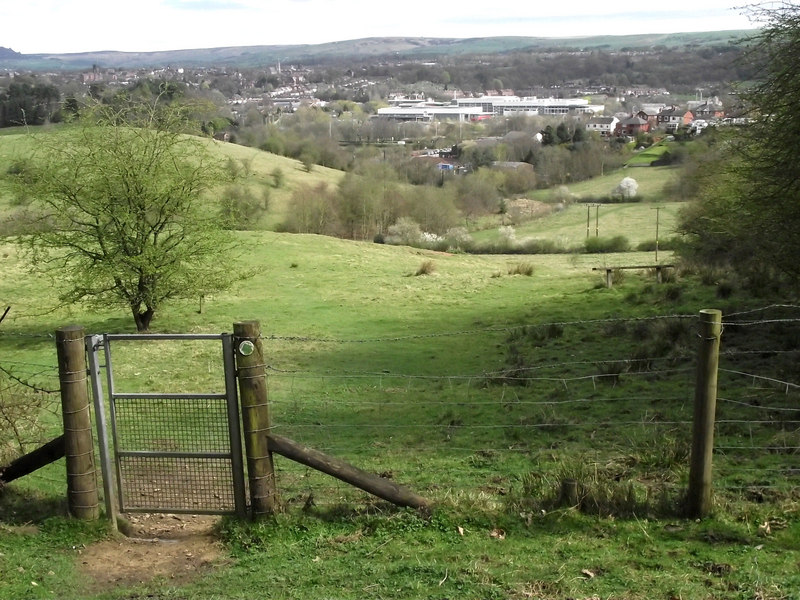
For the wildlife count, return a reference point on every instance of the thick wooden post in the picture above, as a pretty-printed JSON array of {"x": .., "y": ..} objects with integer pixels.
[
  {"x": 82, "y": 497},
  {"x": 251, "y": 374},
  {"x": 698, "y": 498},
  {"x": 569, "y": 495}
]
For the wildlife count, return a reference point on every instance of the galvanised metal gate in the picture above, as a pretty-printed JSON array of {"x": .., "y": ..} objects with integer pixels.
[{"x": 173, "y": 452}]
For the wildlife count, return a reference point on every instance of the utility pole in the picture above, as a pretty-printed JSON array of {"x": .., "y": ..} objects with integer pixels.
[
  {"x": 588, "y": 208},
  {"x": 596, "y": 220},
  {"x": 658, "y": 211}
]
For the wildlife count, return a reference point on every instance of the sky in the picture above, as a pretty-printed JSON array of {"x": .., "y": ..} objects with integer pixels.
[{"x": 65, "y": 26}]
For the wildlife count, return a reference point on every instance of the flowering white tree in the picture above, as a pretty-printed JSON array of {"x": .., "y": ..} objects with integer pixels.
[{"x": 626, "y": 189}]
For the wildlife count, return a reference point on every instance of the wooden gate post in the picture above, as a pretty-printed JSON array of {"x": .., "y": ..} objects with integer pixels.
[
  {"x": 82, "y": 496},
  {"x": 251, "y": 374},
  {"x": 698, "y": 498}
]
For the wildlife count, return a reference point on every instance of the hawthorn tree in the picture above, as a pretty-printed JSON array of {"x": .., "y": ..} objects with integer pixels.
[
  {"x": 120, "y": 219},
  {"x": 747, "y": 213}
]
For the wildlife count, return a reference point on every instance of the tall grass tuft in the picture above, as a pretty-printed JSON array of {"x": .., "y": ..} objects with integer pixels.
[
  {"x": 521, "y": 268},
  {"x": 428, "y": 267}
]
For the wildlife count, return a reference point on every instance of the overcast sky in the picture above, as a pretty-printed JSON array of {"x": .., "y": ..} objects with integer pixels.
[{"x": 60, "y": 26}]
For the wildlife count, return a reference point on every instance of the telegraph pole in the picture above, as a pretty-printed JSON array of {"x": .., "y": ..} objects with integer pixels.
[{"x": 658, "y": 212}]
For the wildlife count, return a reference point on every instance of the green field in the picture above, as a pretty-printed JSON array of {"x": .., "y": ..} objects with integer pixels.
[
  {"x": 651, "y": 185},
  {"x": 478, "y": 388}
]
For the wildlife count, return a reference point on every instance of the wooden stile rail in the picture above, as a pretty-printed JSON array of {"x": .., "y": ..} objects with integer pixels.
[{"x": 659, "y": 269}]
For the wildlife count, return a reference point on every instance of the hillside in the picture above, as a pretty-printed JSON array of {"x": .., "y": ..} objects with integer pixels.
[
  {"x": 395, "y": 47},
  {"x": 482, "y": 385}
]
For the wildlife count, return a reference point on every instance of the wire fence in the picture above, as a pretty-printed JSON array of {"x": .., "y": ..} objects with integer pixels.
[{"x": 496, "y": 415}]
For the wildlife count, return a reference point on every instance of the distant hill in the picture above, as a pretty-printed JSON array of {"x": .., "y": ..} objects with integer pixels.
[
  {"x": 397, "y": 47},
  {"x": 8, "y": 53}
]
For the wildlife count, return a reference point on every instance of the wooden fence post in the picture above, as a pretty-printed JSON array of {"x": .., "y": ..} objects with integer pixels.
[
  {"x": 698, "y": 498},
  {"x": 82, "y": 496},
  {"x": 251, "y": 374}
]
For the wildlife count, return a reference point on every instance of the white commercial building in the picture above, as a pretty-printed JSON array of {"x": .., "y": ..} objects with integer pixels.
[{"x": 489, "y": 106}]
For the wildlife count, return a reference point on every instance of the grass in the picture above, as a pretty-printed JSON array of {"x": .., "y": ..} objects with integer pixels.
[
  {"x": 478, "y": 389},
  {"x": 647, "y": 156},
  {"x": 568, "y": 228},
  {"x": 651, "y": 185}
]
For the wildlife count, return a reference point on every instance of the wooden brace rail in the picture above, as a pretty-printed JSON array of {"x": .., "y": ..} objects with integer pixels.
[
  {"x": 609, "y": 270},
  {"x": 25, "y": 465},
  {"x": 378, "y": 486}
]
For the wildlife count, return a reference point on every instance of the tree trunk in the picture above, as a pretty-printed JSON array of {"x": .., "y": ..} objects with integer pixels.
[{"x": 142, "y": 318}]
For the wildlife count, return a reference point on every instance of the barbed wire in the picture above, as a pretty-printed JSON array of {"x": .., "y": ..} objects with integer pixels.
[
  {"x": 456, "y": 427},
  {"x": 767, "y": 448},
  {"x": 27, "y": 384},
  {"x": 759, "y": 322},
  {"x": 44, "y": 367},
  {"x": 507, "y": 329},
  {"x": 509, "y": 373},
  {"x": 757, "y": 352},
  {"x": 759, "y": 407},
  {"x": 501, "y": 401},
  {"x": 27, "y": 335},
  {"x": 761, "y": 309},
  {"x": 786, "y": 384},
  {"x": 754, "y": 422}
]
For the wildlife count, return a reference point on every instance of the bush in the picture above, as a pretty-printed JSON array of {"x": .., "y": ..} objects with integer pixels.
[
  {"x": 650, "y": 245},
  {"x": 405, "y": 232},
  {"x": 626, "y": 190},
  {"x": 240, "y": 209},
  {"x": 522, "y": 268},
  {"x": 21, "y": 409},
  {"x": 278, "y": 178},
  {"x": 426, "y": 268},
  {"x": 458, "y": 238},
  {"x": 604, "y": 245}
]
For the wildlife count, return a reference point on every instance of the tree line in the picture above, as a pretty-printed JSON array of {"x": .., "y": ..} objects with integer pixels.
[{"x": 24, "y": 103}]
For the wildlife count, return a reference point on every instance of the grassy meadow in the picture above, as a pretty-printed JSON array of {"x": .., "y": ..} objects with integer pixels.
[{"x": 480, "y": 381}]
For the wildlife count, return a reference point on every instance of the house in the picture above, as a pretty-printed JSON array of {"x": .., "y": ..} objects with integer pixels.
[
  {"x": 605, "y": 126},
  {"x": 673, "y": 118},
  {"x": 709, "y": 110},
  {"x": 632, "y": 126},
  {"x": 650, "y": 115}
]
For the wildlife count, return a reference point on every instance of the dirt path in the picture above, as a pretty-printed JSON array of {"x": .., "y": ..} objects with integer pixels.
[{"x": 176, "y": 548}]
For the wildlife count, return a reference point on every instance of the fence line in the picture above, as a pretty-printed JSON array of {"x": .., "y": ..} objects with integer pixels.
[
  {"x": 470, "y": 433},
  {"x": 761, "y": 309},
  {"x": 507, "y": 329}
]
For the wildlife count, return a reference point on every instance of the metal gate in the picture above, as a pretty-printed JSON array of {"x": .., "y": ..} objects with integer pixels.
[{"x": 173, "y": 452}]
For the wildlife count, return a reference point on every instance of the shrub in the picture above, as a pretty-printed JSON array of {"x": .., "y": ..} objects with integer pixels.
[
  {"x": 239, "y": 209},
  {"x": 604, "y": 245},
  {"x": 458, "y": 239},
  {"x": 617, "y": 276},
  {"x": 426, "y": 268},
  {"x": 673, "y": 292},
  {"x": 278, "y": 177},
  {"x": 650, "y": 245},
  {"x": 626, "y": 190},
  {"x": 724, "y": 290},
  {"x": 21, "y": 410},
  {"x": 405, "y": 232}
]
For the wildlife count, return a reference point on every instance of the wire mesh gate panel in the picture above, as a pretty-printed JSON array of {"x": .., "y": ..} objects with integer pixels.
[{"x": 176, "y": 452}]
